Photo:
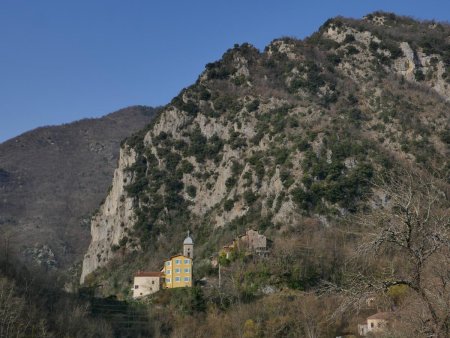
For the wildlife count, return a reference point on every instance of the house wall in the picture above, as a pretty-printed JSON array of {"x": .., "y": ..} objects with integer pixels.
[
  {"x": 144, "y": 286},
  {"x": 362, "y": 329},
  {"x": 253, "y": 240},
  {"x": 376, "y": 324},
  {"x": 178, "y": 272}
]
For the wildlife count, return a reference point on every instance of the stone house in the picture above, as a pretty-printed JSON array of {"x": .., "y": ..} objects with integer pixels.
[
  {"x": 253, "y": 241},
  {"x": 375, "y": 323},
  {"x": 146, "y": 283},
  {"x": 250, "y": 242},
  {"x": 176, "y": 273}
]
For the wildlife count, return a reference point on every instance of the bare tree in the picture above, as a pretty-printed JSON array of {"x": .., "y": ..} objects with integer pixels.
[
  {"x": 11, "y": 308},
  {"x": 410, "y": 238}
]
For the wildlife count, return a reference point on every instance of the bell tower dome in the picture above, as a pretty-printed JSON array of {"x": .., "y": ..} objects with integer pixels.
[{"x": 188, "y": 247}]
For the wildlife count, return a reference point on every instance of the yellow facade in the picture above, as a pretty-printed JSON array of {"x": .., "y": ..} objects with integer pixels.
[{"x": 177, "y": 272}]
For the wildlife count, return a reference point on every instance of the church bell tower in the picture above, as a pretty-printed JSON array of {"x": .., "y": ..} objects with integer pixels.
[{"x": 188, "y": 247}]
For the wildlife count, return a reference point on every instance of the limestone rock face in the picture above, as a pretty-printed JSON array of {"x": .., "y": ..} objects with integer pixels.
[
  {"x": 272, "y": 139},
  {"x": 112, "y": 224},
  {"x": 409, "y": 65}
]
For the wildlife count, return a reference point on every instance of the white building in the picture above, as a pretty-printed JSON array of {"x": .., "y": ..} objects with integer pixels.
[
  {"x": 146, "y": 283},
  {"x": 375, "y": 323}
]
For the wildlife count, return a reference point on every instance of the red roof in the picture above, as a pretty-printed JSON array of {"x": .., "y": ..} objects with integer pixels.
[{"x": 149, "y": 274}]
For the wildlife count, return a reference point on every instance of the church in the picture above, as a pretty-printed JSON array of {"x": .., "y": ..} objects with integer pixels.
[{"x": 176, "y": 273}]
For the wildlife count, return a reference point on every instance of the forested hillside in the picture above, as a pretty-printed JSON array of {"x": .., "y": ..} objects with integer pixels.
[
  {"x": 53, "y": 178},
  {"x": 335, "y": 147}
]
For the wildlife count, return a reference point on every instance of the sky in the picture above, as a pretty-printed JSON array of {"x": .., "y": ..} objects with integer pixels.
[{"x": 61, "y": 61}]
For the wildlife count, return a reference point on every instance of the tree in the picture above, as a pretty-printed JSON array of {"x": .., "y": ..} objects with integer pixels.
[{"x": 410, "y": 238}]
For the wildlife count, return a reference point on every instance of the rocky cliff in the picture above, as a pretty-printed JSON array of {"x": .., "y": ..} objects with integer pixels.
[
  {"x": 115, "y": 218},
  {"x": 273, "y": 139}
]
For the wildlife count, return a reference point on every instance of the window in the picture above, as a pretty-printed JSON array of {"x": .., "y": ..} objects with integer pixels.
[
  {"x": 177, "y": 279},
  {"x": 371, "y": 325},
  {"x": 168, "y": 263},
  {"x": 178, "y": 261},
  {"x": 168, "y": 272},
  {"x": 153, "y": 282},
  {"x": 177, "y": 270},
  {"x": 136, "y": 286},
  {"x": 186, "y": 279},
  {"x": 167, "y": 280},
  {"x": 187, "y": 270},
  {"x": 186, "y": 261}
]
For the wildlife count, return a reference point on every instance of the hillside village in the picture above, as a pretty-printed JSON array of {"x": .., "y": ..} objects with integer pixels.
[
  {"x": 280, "y": 161},
  {"x": 176, "y": 273},
  {"x": 313, "y": 176}
]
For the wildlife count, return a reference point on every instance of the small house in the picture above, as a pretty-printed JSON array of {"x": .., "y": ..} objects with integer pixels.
[
  {"x": 375, "y": 323},
  {"x": 253, "y": 241},
  {"x": 146, "y": 283}
]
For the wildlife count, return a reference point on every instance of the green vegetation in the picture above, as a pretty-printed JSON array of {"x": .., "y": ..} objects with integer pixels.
[{"x": 293, "y": 147}]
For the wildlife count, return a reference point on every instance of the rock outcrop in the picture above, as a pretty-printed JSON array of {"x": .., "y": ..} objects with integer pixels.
[
  {"x": 272, "y": 139},
  {"x": 111, "y": 226}
]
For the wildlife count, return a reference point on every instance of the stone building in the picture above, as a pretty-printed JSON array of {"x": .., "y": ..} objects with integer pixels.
[
  {"x": 176, "y": 273},
  {"x": 250, "y": 242},
  {"x": 253, "y": 241},
  {"x": 375, "y": 323},
  {"x": 146, "y": 283}
]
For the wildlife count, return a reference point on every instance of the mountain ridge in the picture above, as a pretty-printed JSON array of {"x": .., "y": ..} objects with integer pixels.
[
  {"x": 53, "y": 177},
  {"x": 271, "y": 139}
]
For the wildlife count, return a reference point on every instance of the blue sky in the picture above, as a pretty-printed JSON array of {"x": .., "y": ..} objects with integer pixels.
[{"x": 65, "y": 60}]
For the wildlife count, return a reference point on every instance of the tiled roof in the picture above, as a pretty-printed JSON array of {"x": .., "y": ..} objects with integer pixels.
[{"x": 178, "y": 255}]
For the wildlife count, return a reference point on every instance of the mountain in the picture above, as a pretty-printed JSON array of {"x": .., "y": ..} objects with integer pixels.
[
  {"x": 288, "y": 141},
  {"x": 267, "y": 139},
  {"x": 53, "y": 178}
]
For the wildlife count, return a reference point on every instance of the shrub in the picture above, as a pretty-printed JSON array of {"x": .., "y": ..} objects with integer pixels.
[
  {"x": 252, "y": 106},
  {"x": 349, "y": 38},
  {"x": 281, "y": 155},
  {"x": 351, "y": 50},
  {"x": 249, "y": 197},
  {"x": 172, "y": 160},
  {"x": 419, "y": 75},
  {"x": 445, "y": 136},
  {"x": 191, "y": 191},
  {"x": 189, "y": 107},
  {"x": 123, "y": 241},
  {"x": 186, "y": 167},
  {"x": 228, "y": 205},
  {"x": 230, "y": 183}
]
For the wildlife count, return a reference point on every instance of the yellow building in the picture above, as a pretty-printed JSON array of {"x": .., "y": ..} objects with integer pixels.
[
  {"x": 177, "y": 269},
  {"x": 178, "y": 272}
]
